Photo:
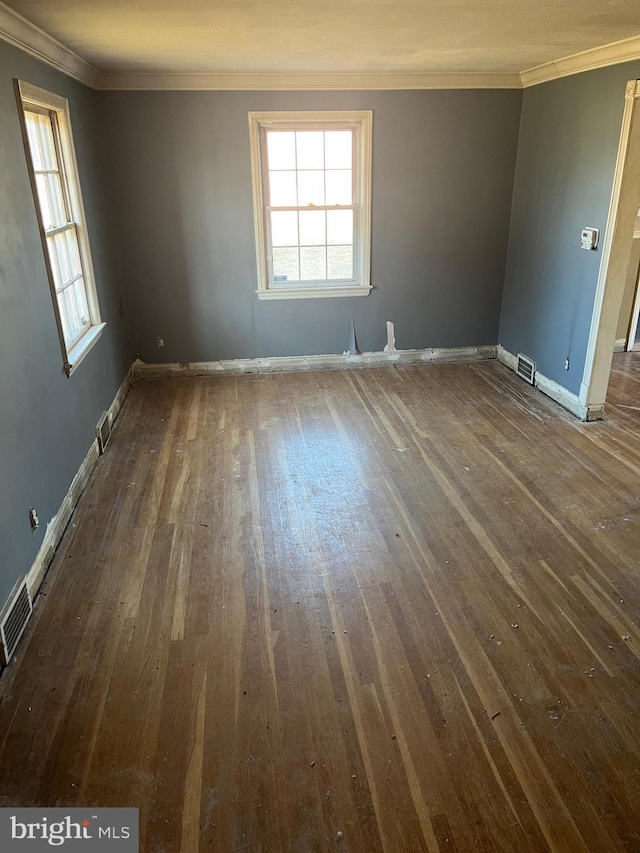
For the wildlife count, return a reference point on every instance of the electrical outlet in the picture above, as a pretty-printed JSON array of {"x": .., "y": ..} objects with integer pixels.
[
  {"x": 33, "y": 518},
  {"x": 160, "y": 342},
  {"x": 566, "y": 363}
]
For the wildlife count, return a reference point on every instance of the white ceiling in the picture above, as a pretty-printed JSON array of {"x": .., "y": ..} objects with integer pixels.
[{"x": 403, "y": 36}]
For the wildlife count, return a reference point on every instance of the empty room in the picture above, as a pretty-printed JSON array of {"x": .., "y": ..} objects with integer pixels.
[{"x": 320, "y": 426}]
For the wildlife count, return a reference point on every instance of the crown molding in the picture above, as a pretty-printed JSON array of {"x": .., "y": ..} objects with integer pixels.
[
  {"x": 21, "y": 33},
  {"x": 307, "y": 81},
  {"x": 587, "y": 60}
]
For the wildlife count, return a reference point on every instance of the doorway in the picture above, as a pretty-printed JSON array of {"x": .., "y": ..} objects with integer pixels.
[
  {"x": 629, "y": 323},
  {"x": 617, "y": 253}
]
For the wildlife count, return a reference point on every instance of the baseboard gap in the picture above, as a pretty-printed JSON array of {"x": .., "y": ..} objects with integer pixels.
[
  {"x": 285, "y": 364},
  {"x": 59, "y": 523}
]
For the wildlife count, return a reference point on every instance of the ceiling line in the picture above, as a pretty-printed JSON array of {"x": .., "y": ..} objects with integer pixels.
[{"x": 21, "y": 33}]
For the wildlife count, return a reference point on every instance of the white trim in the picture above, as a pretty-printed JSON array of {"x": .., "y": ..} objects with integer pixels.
[
  {"x": 276, "y": 118},
  {"x": 77, "y": 353},
  {"x": 613, "y": 53},
  {"x": 21, "y": 33},
  {"x": 314, "y": 292},
  {"x": 552, "y": 389},
  {"x": 58, "y": 524},
  {"x": 42, "y": 97},
  {"x": 509, "y": 359},
  {"x": 141, "y": 370},
  {"x": 305, "y": 81},
  {"x": 360, "y": 123},
  {"x": 33, "y": 96},
  {"x": 635, "y": 316},
  {"x": 620, "y": 345},
  {"x": 567, "y": 399},
  {"x": 616, "y": 251}
]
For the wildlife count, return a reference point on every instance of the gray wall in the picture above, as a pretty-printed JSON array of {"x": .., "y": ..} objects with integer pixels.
[
  {"x": 443, "y": 166},
  {"x": 47, "y": 420},
  {"x": 566, "y": 159}
]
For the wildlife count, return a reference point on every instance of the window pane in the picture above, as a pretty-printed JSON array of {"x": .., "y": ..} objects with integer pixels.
[
  {"x": 285, "y": 265},
  {"x": 339, "y": 186},
  {"x": 338, "y": 145},
  {"x": 310, "y": 188},
  {"x": 47, "y": 146},
  {"x": 339, "y": 226},
  {"x": 58, "y": 276},
  {"x": 50, "y": 200},
  {"x": 43, "y": 199},
  {"x": 56, "y": 200},
  {"x": 282, "y": 187},
  {"x": 41, "y": 145},
  {"x": 34, "y": 142},
  {"x": 74, "y": 325},
  {"x": 313, "y": 263},
  {"x": 281, "y": 149},
  {"x": 66, "y": 247},
  {"x": 310, "y": 149},
  {"x": 340, "y": 262},
  {"x": 81, "y": 302},
  {"x": 64, "y": 319},
  {"x": 74, "y": 252},
  {"x": 312, "y": 228},
  {"x": 62, "y": 255},
  {"x": 284, "y": 228}
]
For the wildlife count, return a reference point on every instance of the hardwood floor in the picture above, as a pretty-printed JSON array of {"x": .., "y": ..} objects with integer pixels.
[{"x": 379, "y": 610}]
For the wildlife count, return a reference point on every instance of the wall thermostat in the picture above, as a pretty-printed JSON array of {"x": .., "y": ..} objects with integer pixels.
[{"x": 589, "y": 239}]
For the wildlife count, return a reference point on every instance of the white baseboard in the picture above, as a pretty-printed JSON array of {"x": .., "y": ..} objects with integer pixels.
[
  {"x": 620, "y": 345},
  {"x": 58, "y": 524},
  {"x": 142, "y": 370},
  {"x": 507, "y": 358},
  {"x": 567, "y": 399},
  {"x": 553, "y": 389},
  {"x": 121, "y": 393}
]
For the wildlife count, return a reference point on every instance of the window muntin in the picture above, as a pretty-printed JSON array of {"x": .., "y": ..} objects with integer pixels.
[
  {"x": 311, "y": 176},
  {"x": 310, "y": 204},
  {"x": 49, "y": 144},
  {"x": 57, "y": 222}
]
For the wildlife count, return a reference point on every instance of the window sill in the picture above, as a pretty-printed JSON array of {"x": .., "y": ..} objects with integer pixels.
[
  {"x": 314, "y": 292},
  {"x": 77, "y": 353}
]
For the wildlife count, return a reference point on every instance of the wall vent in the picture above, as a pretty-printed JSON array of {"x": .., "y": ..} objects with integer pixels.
[
  {"x": 103, "y": 431},
  {"x": 13, "y": 620},
  {"x": 526, "y": 368}
]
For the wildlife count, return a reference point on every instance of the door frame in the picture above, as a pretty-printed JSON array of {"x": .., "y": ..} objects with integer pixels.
[
  {"x": 635, "y": 311},
  {"x": 616, "y": 255}
]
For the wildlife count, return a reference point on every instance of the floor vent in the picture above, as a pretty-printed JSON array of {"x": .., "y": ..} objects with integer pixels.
[
  {"x": 13, "y": 620},
  {"x": 526, "y": 368},
  {"x": 103, "y": 431}
]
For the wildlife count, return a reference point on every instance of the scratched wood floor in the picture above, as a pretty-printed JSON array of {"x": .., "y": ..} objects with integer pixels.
[{"x": 373, "y": 610}]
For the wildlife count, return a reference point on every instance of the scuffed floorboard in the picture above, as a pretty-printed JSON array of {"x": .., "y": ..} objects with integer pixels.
[{"x": 382, "y": 610}]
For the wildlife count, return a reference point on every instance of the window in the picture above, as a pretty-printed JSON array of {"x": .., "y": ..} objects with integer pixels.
[
  {"x": 311, "y": 192},
  {"x": 56, "y": 188}
]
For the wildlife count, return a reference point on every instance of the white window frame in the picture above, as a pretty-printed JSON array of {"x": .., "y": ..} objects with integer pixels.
[
  {"x": 57, "y": 107},
  {"x": 361, "y": 123}
]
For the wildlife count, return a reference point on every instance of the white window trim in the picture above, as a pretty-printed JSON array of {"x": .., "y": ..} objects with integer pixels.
[
  {"x": 29, "y": 95},
  {"x": 258, "y": 121}
]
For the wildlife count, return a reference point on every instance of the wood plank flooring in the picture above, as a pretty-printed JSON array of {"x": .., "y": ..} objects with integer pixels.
[{"x": 388, "y": 610}]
